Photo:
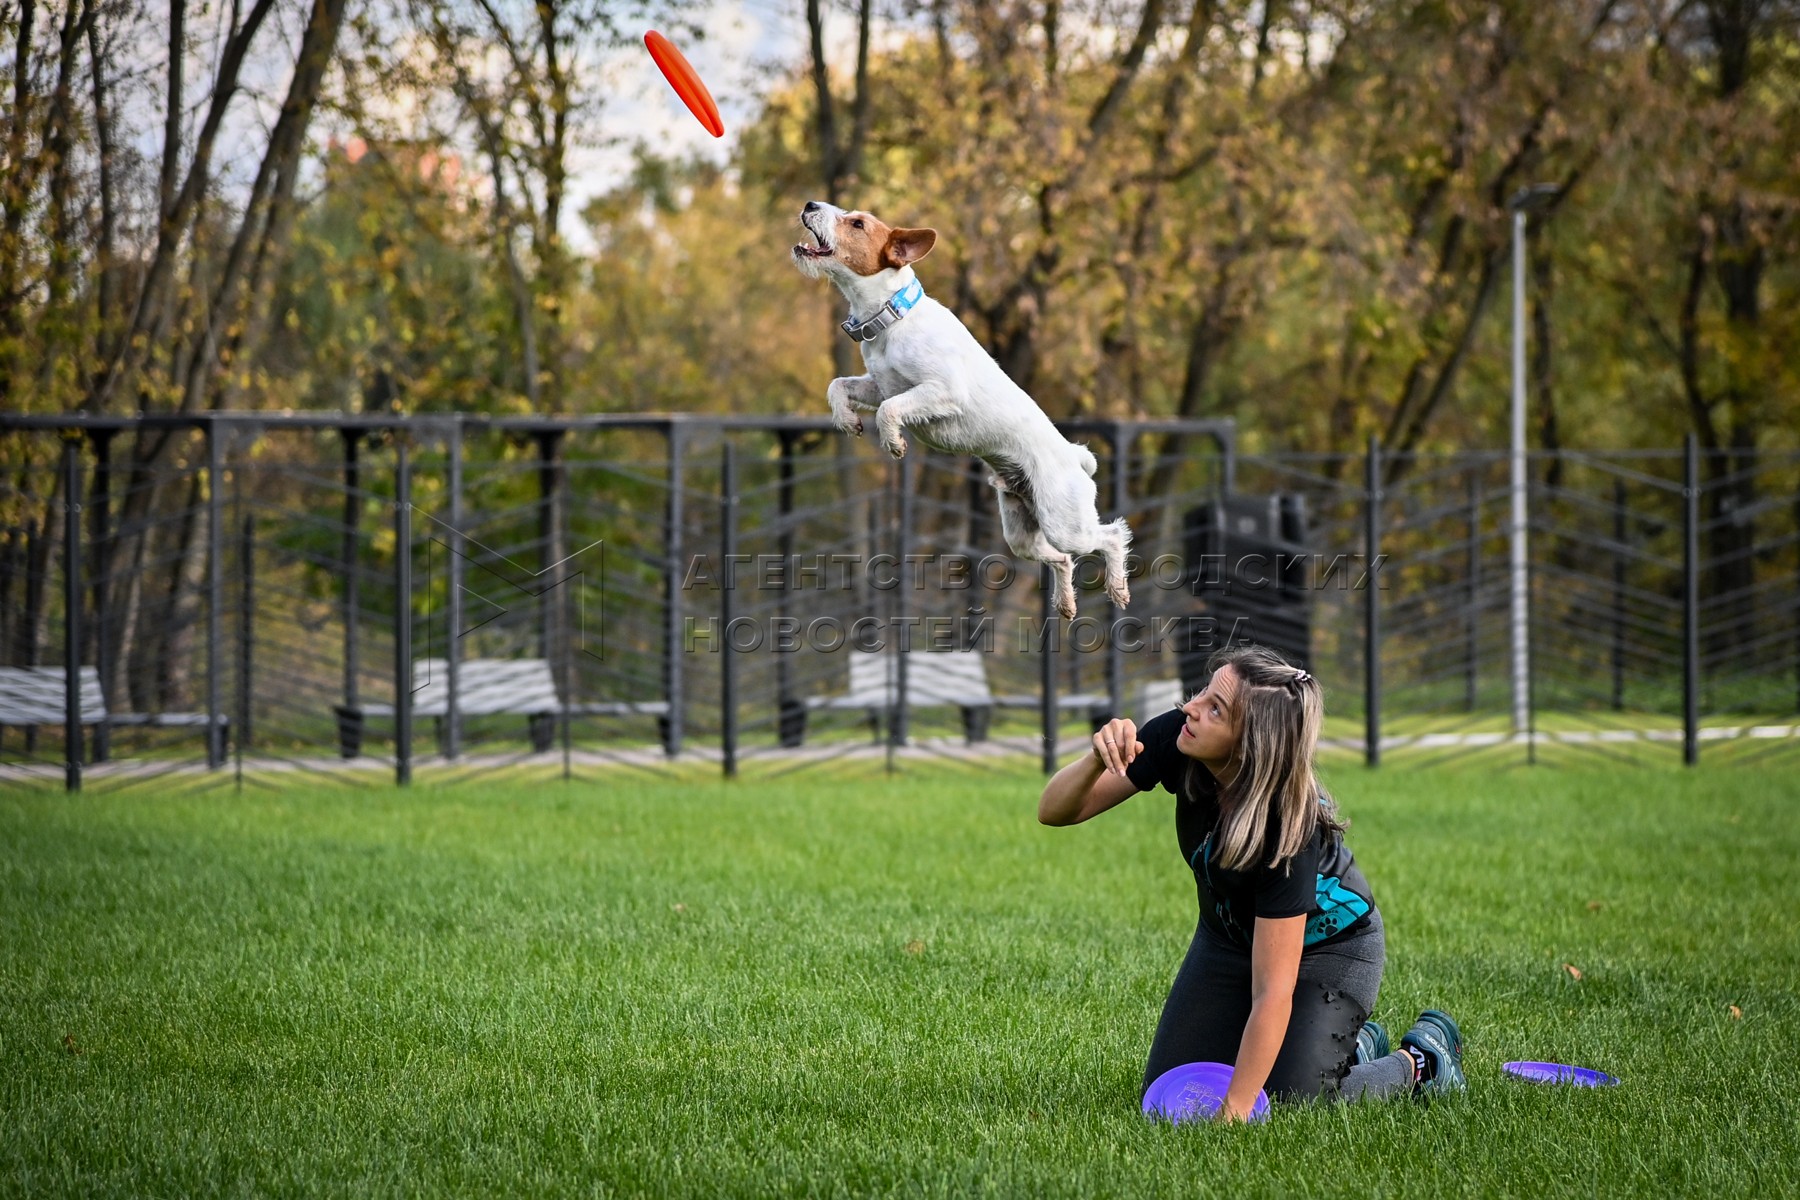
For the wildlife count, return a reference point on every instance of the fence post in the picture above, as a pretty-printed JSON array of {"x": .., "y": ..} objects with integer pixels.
[
  {"x": 790, "y": 710},
  {"x": 246, "y": 635},
  {"x": 727, "y": 551},
  {"x": 100, "y": 533},
  {"x": 553, "y": 598},
  {"x": 71, "y": 463},
  {"x": 35, "y": 586},
  {"x": 548, "y": 633},
  {"x": 1690, "y": 604},
  {"x": 1620, "y": 532},
  {"x": 350, "y": 718},
  {"x": 1531, "y": 639},
  {"x": 1115, "y": 654},
  {"x": 552, "y": 640},
  {"x": 1372, "y": 605},
  {"x": 453, "y": 451},
  {"x": 883, "y": 604},
  {"x": 1472, "y": 632},
  {"x": 903, "y": 543},
  {"x": 672, "y": 648},
  {"x": 402, "y": 611},
  {"x": 215, "y": 594},
  {"x": 565, "y": 612},
  {"x": 1047, "y": 667}
]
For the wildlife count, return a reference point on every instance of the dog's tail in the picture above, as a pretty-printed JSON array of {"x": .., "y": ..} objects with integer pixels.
[{"x": 1086, "y": 458}]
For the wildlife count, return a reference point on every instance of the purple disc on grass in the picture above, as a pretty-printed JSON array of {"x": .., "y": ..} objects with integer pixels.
[
  {"x": 1545, "y": 1072},
  {"x": 1194, "y": 1092}
]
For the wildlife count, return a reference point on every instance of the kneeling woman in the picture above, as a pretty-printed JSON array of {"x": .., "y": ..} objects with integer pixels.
[{"x": 1286, "y": 962}]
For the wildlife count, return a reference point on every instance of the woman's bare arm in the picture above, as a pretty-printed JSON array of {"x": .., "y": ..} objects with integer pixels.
[
  {"x": 1094, "y": 782},
  {"x": 1274, "y": 970}
]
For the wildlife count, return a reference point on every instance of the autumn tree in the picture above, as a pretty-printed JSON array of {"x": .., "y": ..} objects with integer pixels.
[{"x": 132, "y": 282}]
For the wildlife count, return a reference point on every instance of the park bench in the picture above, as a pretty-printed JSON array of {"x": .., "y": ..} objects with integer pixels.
[
  {"x": 485, "y": 687},
  {"x": 33, "y": 696},
  {"x": 952, "y": 678}
]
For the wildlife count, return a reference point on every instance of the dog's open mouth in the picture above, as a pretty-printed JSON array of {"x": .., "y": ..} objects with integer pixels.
[{"x": 822, "y": 250}]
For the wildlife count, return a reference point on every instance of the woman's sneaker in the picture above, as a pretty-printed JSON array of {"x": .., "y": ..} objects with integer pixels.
[
  {"x": 1436, "y": 1036},
  {"x": 1372, "y": 1043}
]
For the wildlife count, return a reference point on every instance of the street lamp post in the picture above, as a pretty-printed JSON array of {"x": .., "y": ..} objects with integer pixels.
[{"x": 1535, "y": 198}]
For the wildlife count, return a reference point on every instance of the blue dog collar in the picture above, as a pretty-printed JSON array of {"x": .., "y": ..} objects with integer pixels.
[{"x": 898, "y": 305}]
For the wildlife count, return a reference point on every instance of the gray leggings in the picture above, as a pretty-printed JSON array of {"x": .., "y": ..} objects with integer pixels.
[{"x": 1203, "y": 1018}]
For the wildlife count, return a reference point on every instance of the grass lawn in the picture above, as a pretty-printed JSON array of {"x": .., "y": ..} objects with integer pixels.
[{"x": 833, "y": 985}]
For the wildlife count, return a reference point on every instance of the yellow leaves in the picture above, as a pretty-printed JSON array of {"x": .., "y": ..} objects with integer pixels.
[
  {"x": 1737, "y": 1014},
  {"x": 1573, "y": 971}
]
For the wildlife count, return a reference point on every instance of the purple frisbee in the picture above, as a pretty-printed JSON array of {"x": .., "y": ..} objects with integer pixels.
[
  {"x": 1546, "y": 1072},
  {"x": 1194, "y": 1092}
]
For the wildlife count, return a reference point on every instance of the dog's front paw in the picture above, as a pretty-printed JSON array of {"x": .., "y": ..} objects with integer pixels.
[
  {"x": 1119, "y": 593},
  {"x": 848, "y": 422},
  {"x": 895, "y": 446},
  {"x": 1065, "y": 603}
]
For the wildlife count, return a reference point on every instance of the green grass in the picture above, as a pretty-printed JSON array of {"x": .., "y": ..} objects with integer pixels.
[{"x": 843, "y": 984}]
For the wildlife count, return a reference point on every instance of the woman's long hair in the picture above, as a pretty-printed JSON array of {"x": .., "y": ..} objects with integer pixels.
[{"x": 1275, "y": 801}]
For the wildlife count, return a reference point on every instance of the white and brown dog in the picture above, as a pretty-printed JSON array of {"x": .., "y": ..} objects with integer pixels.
[{"x": 928, "y": 375}]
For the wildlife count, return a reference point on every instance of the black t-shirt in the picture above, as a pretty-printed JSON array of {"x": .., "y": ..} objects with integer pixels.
[{"x": 1322, "y": 881}]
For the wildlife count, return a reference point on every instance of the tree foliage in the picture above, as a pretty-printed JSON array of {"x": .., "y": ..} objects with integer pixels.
[{"x": 1290, "y": 212}]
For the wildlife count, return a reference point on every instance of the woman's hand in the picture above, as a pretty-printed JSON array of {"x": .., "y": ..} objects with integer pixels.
[
  {"x": 1232, "y": 1110},
  {"x": 1116, "y": 744},
  {"x": 1094, "y": 782},
  {"x": 1275, "y": 950}
]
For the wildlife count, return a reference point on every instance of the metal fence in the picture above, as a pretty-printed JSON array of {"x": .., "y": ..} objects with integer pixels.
[{"x": 246, "y": 597}]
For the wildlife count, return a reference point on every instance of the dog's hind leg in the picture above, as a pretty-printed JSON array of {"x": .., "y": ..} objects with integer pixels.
[
  {"x": 1065, "y": 514},
  {"x": 1115, "y": 541},
  {"x": 1019, "y": 525},
  {"x": 1062, "y": 566},
  {"x": 1062, "y": 570}
]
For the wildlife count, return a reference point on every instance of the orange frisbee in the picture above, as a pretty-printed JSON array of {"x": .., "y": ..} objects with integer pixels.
[{"x": 686, "y": 82}]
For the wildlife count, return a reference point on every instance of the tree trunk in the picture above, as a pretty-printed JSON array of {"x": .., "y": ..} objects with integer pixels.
[
  {"x": 107, "y": 254},
  {"x": 151, "y": 309}
]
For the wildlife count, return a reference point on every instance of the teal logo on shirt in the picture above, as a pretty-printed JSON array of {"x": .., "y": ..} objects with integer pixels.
[{"x": 1339, "y": 908}]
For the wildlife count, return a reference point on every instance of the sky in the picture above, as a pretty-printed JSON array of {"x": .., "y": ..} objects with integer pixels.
[{"x": 744, "y": 45}]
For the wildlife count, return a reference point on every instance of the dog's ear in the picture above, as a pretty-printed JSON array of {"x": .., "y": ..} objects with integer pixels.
[{"x": 907, "y": 246}]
